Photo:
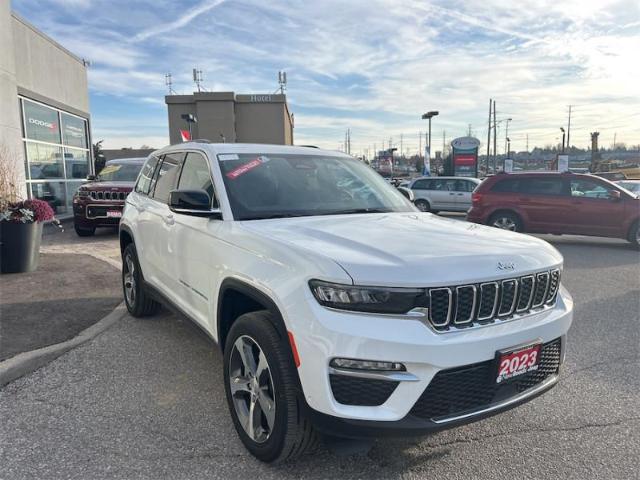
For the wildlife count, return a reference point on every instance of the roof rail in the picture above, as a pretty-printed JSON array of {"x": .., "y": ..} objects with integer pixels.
[{"x": 200, "y": 140}]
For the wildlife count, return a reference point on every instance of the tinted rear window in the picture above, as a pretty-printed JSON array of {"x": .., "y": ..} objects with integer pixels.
[{"x": 534, "y": 186}]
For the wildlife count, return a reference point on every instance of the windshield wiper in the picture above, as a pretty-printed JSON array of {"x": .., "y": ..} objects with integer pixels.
[
  {"x": 275, "y": 215},
  {"x": 358, "y": 210}
]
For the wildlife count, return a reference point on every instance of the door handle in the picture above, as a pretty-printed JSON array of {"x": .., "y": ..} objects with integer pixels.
[
  {"x": 169, "y": 220},
  {"x": 460, "y": 194},
  {"x": 451, "y": 193}
]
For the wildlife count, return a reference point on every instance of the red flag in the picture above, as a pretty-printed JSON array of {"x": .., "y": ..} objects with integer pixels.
[{"x": 186, "y": 136}]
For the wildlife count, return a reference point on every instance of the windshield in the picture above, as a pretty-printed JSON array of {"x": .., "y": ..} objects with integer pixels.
[
  {"x": 119, "y": 172},
  {"x": 270, "y": 186}
]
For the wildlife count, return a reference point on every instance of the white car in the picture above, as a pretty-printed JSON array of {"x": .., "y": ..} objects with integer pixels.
[
  {"x": 338, "y": 306},
  {"x": 437, "y": 194}
]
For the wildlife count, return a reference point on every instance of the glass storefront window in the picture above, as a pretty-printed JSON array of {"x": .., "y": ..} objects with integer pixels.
[
  {"x": 72, "y": 188},
  {"x": 45, "y": 161},
  {"x": 54, "y": 193},
  {"x": 41, "y": 123},
  {"x": 77, "y": 163},
  {"x": 58, "y": 158},
  {"x": 74, "y": 131}
]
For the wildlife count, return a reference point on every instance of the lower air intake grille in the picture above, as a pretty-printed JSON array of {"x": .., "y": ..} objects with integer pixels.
[
  {"x": 361, "y": 391},
  {"x": 473, "y": 387}
]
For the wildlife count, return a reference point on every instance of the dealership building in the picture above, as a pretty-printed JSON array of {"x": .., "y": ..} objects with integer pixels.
[
  {"x": 44, "y": 112},
  {"x": 229, "y": 117}
]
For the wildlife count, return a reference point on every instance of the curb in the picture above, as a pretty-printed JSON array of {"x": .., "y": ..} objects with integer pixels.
[{"x": 27, "y": 362}]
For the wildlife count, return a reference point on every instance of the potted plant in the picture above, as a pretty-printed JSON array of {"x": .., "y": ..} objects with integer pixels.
[{"x": 20, "y": 221}]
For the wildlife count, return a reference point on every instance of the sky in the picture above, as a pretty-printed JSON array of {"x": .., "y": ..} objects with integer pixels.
[{"x": 373, "y": 66}]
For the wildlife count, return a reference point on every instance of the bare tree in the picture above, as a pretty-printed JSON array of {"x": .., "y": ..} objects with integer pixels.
[{"x": 10, "y": 179}]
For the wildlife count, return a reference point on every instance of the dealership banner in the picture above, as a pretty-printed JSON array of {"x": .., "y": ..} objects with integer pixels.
[{"x": 426, "y": 170}]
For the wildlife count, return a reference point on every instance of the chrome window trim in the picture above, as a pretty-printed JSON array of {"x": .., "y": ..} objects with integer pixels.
[
  {"x": 515, "y": 296},
  {"x": 533, "y": 290},
  {"x": 473, "y": 305},
  {"x": 448, "y": 320},
  {"x": 495, "y": 300}
]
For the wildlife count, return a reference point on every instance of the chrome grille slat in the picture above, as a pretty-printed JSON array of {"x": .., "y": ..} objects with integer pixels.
[
  {"x": 510, "y": 305},
  {"x": 494, "y": 302},
  {"x": 462, "y": 306},
  {"x": 461, "y": 293}
]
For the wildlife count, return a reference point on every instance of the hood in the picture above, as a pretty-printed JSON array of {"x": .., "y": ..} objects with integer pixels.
[
  {"x": 412, "y": 249},
  {"x": 111, "y": 186}
]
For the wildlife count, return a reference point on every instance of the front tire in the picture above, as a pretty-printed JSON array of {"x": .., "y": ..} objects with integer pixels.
[
  {"x": 261, "y": 387},
  {"x": 137, "y": 300},
  {"x": 84, "y": 232},
  {"x": 506, "y": 221},
  {"x": 422, "y": 205}
]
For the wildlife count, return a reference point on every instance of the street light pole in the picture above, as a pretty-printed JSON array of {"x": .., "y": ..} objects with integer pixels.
[{"x": 429, "y": 116}]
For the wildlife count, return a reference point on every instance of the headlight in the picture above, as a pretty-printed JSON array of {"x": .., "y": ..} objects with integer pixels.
[{"x": 367, "y": 299}]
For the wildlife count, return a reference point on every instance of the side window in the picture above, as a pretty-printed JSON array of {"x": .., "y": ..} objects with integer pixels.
[
  {"x": 542, "y": 186},
  {"x": 167, "y": 176},
  {"x": 508, "y": 185},
  {"x": 438, "y": 185},
  {"x": 146, "y": 174},
  {"x": 464, "y": 186},
  {"x": 449, "y": 185},
  {"x": 195, "y": 175},
  {"x": 584, "y": 188},
  {"x": 421, "y": 185}
]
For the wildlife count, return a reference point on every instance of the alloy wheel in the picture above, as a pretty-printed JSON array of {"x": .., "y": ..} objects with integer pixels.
[
  {"x": 505, "y": 223},
  {"x": 252, "y": 390},
  {"x": 129, "y": 280}
]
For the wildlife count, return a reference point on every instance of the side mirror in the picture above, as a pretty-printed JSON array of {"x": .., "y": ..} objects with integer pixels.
[
  {"x": 192, "y": 202},
  {"x": 614, "y": 195},
  {"x": 91, "y": 178},
  {"x": 407, "y": 192}
]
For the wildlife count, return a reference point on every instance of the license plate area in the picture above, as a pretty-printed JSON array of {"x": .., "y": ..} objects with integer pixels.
[
  {"x": 114, "y": 214},
  {"x": 514, "y": 362}
]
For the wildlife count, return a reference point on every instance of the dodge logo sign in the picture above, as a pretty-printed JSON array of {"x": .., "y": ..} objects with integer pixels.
[
  {"x": 42, "y": 123},
  {"x": 506, "y": 266}
]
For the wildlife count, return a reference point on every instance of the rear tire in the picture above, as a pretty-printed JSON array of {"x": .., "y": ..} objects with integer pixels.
[
  {"x": 634, "y": 234},
  {"x": 280, "y": 436},
  {"x": 84, "y": 232},
  {"x": 139, "y": 303},
  {"x": 422, "y": 205},
  {"x": 506, "y": 221}
]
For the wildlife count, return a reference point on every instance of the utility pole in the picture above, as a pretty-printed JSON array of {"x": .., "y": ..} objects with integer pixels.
[
  {"x": 469, "y": 131},
  {"x": 401, "y": 143},
  {"x": 444, "y": 142},
  {"x": 615, "y": 137},
  {"x": 569, "y": 130},
  {"x": 349, "y": 140},
  {"x": 419, "y": 144},
  {"x": 488, "y": 140},
  {"x": 495, "y": 135},
  {"x": 527, "y": 143}
]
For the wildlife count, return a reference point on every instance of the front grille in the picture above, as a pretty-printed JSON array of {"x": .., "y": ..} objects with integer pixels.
[
  {"x": 108, "y": 195},
  {"x": 467, "y": 305},
  {"x": 472, "y": 387},
  {"x": 368, "y": 392}
]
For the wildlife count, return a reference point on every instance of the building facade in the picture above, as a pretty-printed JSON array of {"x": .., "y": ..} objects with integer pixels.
[
  {"x": 44, "y": 113},
  {"x": 227, "y": 117}
]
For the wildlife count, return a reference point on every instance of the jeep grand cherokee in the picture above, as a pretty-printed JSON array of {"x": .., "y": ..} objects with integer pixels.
[{"x": 338, "y": 306}]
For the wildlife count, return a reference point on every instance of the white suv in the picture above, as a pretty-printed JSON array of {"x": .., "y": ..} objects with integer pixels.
[{"x": 338, "y": 306}]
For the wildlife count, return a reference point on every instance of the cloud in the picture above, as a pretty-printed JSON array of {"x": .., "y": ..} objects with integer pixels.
[{"x": 179, "y": 22}]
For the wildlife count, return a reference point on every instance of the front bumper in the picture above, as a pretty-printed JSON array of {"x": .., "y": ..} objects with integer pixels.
[
  {"x": 322, "y": 334},
  {"x": 95, "y": 214}
]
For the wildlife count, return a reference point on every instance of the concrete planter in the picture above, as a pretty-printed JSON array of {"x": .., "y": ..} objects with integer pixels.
[{"x": 20, "y": 246}]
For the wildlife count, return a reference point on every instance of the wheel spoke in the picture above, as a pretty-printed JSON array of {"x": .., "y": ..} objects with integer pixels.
[
  {"x": 263, "y": 366},
  {"x": 252, "y": 423},
  {"x": 240, "y": 384},
  {"x": 267, "y": 405},
  {"x": 246, "y": 355}
]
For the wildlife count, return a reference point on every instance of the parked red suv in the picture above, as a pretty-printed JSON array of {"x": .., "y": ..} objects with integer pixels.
[
  {"x": 99, "y": 203},
  {"x": 558, "y": 203}
]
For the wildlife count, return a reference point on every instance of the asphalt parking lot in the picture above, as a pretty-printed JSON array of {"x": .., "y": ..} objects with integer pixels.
[{"x": 145, "y": 400}]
